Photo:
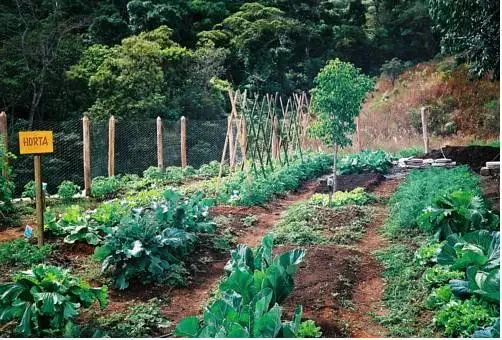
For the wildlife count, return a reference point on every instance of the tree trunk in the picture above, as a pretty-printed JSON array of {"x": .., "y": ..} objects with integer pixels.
[{"x": 333, "y": 187}]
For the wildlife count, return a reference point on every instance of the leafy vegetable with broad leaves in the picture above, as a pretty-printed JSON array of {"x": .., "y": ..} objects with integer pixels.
[
  {"x": 46, "y": 300},
  {"x": 478, "y": 248},
  {"x": 458, "y": 212},
  {"x": 252, "y": 291},
  {"x": 485, "y": 284}
]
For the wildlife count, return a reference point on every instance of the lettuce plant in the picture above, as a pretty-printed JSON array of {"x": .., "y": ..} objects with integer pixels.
[{"x": 46, "y": 300}]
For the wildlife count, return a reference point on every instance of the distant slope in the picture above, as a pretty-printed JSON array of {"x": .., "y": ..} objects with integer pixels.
[{"x": 457, "y": 105}]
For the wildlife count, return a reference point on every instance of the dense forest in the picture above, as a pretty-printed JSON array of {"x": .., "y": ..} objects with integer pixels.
[{"x": 138, "y": 59}]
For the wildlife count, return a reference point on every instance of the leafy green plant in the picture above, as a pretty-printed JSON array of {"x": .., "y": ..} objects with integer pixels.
[
  {"x": 102, "y": 187},
  {"x": 67, "y": 189},
  {"x": 212, "y": 169},
  {"x": 6, "y": 185},
  {"x": 46, "y": 300},
  {"x": 480, "y": 282},
  {"x": 438, "y": 276},
  {"x": 141, "y": 320},
  {"x": 357, "y": 196},
  {"x": 410, "y": 152},
  {"x": 249, "y": 221},
  {"x": 420, "y": 189},
  {"x": 21, "y": 252},
  {"x": 457, "y": 212},
  {"x": 461, "y": 318},
  {"x": 249, "y": 307},
  {"x": 366, "y": 161},
  {"x": 492, "y": 331},
  {"x": 109, "y": 214},
  {"x": 145, "y": 245},
  {"x": 309, "y": 329},
  {"x": 427, "y": 253},
  {"x": 479, "y": 248},
  {"x": 29, "y": 190},
  {"x": 154, "y": 173},
  {"x": 174, "y": 174},
  {"x": 438, "y": 297}
]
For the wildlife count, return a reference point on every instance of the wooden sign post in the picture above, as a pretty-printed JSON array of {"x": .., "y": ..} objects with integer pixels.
[{"x": 36, "y": 143}]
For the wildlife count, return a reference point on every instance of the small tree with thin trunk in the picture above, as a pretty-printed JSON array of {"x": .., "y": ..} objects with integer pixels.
[{"x": 340, "y": 90}]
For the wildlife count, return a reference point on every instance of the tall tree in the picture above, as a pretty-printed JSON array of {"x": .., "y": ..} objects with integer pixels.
[{"x": 471, "y": 30}]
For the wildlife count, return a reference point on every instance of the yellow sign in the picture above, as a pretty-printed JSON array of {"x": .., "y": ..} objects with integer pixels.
[{"x": 33, "y": 142}]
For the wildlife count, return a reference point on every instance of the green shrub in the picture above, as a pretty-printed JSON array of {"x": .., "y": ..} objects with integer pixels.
[
  {"x": 67, "y": 189},
  {"x": 46, "y": 300},
  {"x": 154, "y": 173},
  {"x": 141, "y": 320},
  {"x": 462, "y": 318},
  {"x": 103, "y": 187},
  {"x": 410, "y": 152},
  {"x": 437, "y": 276},
  {"x": 29, "y": 190},
  {"x": 6, "y": 184},
  {"x": 174, "y": 174},
  {"x": 21, "y": 252},
  {"x": 212, "y": 169},
  {"x": 439, "y": 297}
]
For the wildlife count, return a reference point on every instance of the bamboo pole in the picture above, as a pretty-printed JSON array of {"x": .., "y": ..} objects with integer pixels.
[
  {"x": 160, "y": 145},
  {"x": 87, "y": 155},
  {"x": 230, "y": 133},
  {"x": 183, "y": 142},
  {"x": 111, "y": 147},
  {"x": 358, "y": 134},
  {"x": 5, "y": 140}
]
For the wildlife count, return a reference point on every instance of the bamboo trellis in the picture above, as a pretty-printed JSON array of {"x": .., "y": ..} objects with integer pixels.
[{"x": 270, "y": 130}]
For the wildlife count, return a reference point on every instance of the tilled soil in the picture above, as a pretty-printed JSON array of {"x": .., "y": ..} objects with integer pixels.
[
  {"x": 475, "y": 156},
  {"x": 367, "y": 181}
]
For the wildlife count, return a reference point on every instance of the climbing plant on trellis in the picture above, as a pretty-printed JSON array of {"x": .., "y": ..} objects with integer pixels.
[{"x": 268, "y": 130}]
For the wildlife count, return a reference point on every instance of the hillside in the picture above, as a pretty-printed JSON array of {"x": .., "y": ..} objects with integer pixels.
[{"x": 459, "y": 108}]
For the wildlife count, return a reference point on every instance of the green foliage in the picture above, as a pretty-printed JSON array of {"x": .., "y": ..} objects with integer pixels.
[
  {"x": 462, "y": 318},
  {"x": 478, "y": 248},
  {"x": 212, "y": 169},
  {"x": 143, "y": 319},
  {"x": 67, "y": 189},
  {"x": 46, "y": 300},
  {"x": 437, "y": 276},
  {"x": 439, "y": 297},
  {"x": 357, "y": 196},
  {"x": 393, "y": 68},
  {"x": 145, "y": 245},
  {"x": 427, "y": 253},
  {"x": 339, "y": 92},
  {"x": 492, "y": 331},
  {"x": 29, "y": 190},
  {"x": 366, "y": 161},
  {"x": 471, "y": 31},
  {"x": 21, "y": 252},
  {"x": 309, "y": 329},
  {"x": 103, "y": 187},
  {"x": 6, "y": 183},
  {"x": 249, "y": 307},
  {"x": 456, "y": 212},
  {"x": 484, "y": 283},
  {"x": 410, "y": 152},
  {"x": 249, "y": 221},
  {"x": 421, "y": 188}
]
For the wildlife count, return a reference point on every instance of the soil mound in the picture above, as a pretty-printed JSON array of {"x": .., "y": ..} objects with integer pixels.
[
  {"x": 368, "y": 181},
  {"x": 474, "y": 156}
]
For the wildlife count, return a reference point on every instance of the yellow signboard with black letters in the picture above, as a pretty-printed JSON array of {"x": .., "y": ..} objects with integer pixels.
[{"x": 35, "y": 142}]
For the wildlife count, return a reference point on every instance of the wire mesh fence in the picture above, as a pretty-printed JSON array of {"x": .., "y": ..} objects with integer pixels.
[{"x": 135, "y": 148}]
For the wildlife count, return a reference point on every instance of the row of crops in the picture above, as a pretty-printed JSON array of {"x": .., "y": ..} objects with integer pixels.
[{"x": 453, "y": 277}]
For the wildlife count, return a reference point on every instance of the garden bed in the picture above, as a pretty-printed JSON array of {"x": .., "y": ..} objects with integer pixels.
[
  {"x": 475, "y": 156},
  {"x": 368, "y": 181}
]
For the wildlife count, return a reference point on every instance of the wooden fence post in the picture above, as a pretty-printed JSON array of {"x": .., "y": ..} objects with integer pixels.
[
  {"x": 87, "y": 155},
  {"x": 231, "y": 142},
  {"x": 358, "y": 134},
  {"x": 5, "y": 140},
  {"x": 160, "y": 150},
  {"x": 275, "y": 140},
  {"x": 111, "y": 147},
  {"x": 424, "y": 129},
  {"x": 183, "y": 142}
]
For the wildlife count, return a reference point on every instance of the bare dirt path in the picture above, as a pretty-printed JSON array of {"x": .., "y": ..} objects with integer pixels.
[
  {"x": 188, "y": 301},
  {"x": 367, "y": 295}
]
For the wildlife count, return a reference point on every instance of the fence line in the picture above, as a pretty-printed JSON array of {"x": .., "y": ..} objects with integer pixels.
[{"x": 84, "y": 149}]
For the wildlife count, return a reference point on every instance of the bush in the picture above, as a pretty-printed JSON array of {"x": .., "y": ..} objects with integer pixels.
[
  {"x": 154, "y": 173},
  {"x": 377, "y": 161},
  {"x": 103, "y": 187},
  {"x": 21, "y": 252},
  {"x": 309, "y": 329},
  {"x": 357, "y": 197},
  {"x": 46, "y": 300},
  {"x": 67, "y": 189}
]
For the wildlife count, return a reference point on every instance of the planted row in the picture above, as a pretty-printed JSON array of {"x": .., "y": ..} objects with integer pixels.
[{"x": 251, "y": 293}]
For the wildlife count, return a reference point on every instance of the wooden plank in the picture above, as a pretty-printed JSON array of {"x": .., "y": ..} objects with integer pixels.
[
  {"x": 5, "y": 141},
  {"x": 183, "y": 141},
  {"x": 424, "y": 129}
]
